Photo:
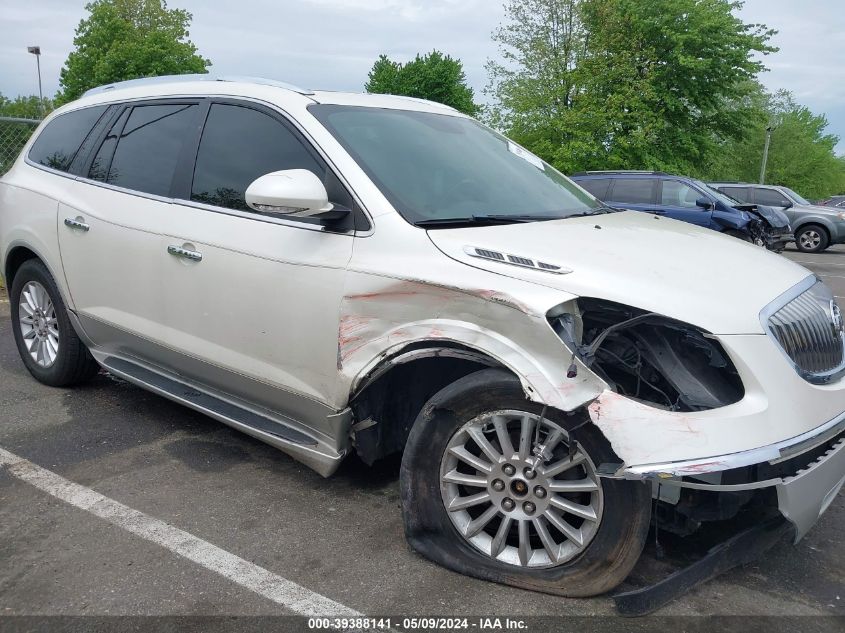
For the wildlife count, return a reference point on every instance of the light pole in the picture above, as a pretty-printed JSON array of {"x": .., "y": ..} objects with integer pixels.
[
  {"x": 765, "y": 155},
  {"x": 36, "y": 50},
  {"x": 775, "y": 121}
]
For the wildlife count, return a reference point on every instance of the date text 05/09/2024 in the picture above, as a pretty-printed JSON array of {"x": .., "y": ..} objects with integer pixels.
[{"x": 419, "y": 624}]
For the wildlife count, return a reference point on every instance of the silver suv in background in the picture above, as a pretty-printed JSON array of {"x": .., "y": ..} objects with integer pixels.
[{"x": 816, "y": 227}]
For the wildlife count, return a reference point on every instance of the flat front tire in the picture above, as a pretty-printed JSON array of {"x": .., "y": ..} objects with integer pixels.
[{"x": 477, "y": 499}]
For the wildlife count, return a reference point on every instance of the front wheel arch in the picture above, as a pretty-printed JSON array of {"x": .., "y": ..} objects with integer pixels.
[{"x": 391, "y": 396}]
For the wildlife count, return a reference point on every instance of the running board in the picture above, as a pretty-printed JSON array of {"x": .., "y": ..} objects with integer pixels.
[{"x": 286, "y": 438}]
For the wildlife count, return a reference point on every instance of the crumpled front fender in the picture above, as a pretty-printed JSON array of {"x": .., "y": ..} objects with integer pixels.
[{"x": 379, "y": 319}]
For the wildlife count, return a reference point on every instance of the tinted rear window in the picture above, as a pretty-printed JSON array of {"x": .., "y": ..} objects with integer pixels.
[
  {"x": 743, "y": 194},
  {"x": 59, "y": 142},
  {"x": 149, "y": 147},
  {"x": 770, "y": 197},
  {"x": 633, "y": 190},
  {"x": 596, "y": 186}
]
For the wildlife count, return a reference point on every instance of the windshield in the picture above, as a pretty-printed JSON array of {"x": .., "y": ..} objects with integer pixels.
[
  {"x": 440, "y": 167},
  {"x": 721, "y": 196},
  {"x": 795, "y": 197}
]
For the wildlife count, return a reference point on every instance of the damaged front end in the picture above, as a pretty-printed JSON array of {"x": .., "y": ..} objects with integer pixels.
[
  {"x": 649, "y": 358},
  {"x": 768, "y": 227},
  {"x": 659, "y": 372}
]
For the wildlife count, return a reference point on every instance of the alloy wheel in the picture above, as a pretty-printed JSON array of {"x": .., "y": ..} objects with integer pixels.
[
  {"x": 810, "y": 239},
  {"x": 38, "y": 324},
  {"x": 518, "y": 491}
]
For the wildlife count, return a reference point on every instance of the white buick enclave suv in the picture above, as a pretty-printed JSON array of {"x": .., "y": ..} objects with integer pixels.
[{"x": 335, "y": 273}]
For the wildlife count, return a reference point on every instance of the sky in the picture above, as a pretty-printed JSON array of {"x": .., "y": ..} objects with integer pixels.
[{"x": 332, "y": 44}]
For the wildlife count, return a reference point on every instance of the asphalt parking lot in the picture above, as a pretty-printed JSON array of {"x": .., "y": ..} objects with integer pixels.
[{"x": 339, "y": 538}]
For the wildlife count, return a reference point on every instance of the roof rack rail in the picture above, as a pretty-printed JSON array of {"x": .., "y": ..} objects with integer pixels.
[
  {"x": 420, "y": 100},
  {"x": 165, "y": 79},
  {"x": 645, "y": 172}
]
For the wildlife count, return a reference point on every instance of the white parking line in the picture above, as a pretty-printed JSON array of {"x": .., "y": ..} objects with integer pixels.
[
  {"x": 280, "y": 590},
  {"x": 831, "y": 276}
]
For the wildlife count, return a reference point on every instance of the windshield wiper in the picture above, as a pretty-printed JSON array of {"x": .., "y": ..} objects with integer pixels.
[
  {"x": 596, "y": 211},
  {"x": 486, "y": 219}
]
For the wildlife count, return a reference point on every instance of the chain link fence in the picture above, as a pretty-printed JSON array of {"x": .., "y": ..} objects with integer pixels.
[{"x": 14, "y": 133}]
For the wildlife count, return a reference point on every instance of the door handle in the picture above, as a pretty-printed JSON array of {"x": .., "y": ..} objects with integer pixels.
[
  {"x": 76, "y": 223},
  {"x": 184, "y": 253}
]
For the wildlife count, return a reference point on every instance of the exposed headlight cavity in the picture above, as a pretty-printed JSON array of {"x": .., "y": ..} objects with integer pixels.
[{"x": 650, "y": 357}]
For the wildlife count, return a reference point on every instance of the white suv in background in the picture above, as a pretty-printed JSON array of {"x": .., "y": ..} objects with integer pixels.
[{"x": 335, "y": 273}]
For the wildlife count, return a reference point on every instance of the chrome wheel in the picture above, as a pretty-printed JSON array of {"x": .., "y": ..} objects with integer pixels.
[
  {"x": 810, "y": 239},
  {"x": 38, "y": 323},
  {"x": 515, "y": 490}
]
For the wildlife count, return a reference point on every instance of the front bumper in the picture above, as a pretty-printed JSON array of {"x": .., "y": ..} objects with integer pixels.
[
  {"x": 778, "y": 239},
  {"x": 803, "y": 495},
  {"x": 771, "y": 453}
]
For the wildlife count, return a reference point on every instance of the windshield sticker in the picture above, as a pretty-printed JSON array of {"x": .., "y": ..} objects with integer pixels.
[{"x": 525, "y": 155}]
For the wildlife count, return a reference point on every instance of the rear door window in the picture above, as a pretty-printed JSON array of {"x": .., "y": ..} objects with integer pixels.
[
  {"x": 238, "y": 145},
  {"x": 743, "y": 194},
  {"x": 633, "y": 190},
  {"x": 58, "y": 143},
  {"x": 596, "y": 186},
  {"x": 148, "y": 147},
  {"x": 99, "y": 169},
  {"x": 770, "y": 197}
]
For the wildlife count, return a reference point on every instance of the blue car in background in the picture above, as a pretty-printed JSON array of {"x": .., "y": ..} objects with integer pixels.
[{"x": 689, "y": 200}]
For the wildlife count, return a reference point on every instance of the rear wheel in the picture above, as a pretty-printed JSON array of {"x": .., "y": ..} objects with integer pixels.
[
  {"x": 811, "y": 239},
  {"x": 478, "y": 499},
  {"x": 47, "y": 343}
]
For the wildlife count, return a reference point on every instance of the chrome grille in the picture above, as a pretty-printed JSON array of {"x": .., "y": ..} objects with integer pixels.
[{"x": 809, "y": 330}]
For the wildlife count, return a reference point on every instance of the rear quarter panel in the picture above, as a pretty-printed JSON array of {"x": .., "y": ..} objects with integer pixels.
[{"x": 28, "y": 217}]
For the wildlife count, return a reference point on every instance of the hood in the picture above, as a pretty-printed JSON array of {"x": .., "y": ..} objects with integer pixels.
[
  {"x": 819, "y": 209},
  {"x": 776, "y": 218},
  {"x": 689, "y": 273}
]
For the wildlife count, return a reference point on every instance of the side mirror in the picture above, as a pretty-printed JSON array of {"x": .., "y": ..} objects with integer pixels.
[
  {"x": 291, "y": 192},
  {"x": 789, "y": 204},
  {"x": 705, "y": 203}
]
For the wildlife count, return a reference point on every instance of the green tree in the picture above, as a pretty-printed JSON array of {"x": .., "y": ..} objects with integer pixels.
[
  {"x": 25, "y": 107},
  {"x": 801, "y": 153},
  {"x": 127, "y": 39},
  {"x": 537, "y": 84},
  {"x": 435, "y": 76},
  {"x": 14, "y": 134},
  {"x": 624, "y": 83}
]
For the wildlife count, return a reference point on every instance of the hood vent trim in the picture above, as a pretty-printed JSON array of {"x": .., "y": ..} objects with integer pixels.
[{"x": 519, "y": 261}]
